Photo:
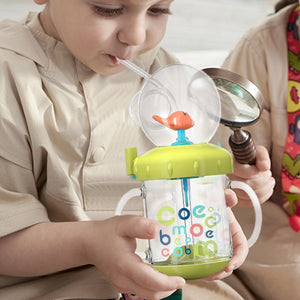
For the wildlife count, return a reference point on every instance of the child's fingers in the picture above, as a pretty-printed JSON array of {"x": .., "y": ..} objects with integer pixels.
[
  {"x": 240, "y": 249},
  {"x": 126, "y": 285},
  {"x": 231, "y": 198},
  {"x": 150, "y": 283},
  {"x": 218, "y": 276},
  {"x": 244, "y": 171},
  {"x": 155, "y": 280},
  {"x": 265, "y": 189},
  {"x": 262, "y": 162},
  {"x": 263, "y": 186},
  {"x": 137, "y": 227},
  {"x": 239, "y": 242}
]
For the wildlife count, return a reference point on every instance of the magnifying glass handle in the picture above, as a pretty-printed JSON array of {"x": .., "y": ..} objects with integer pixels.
[{"x": 242, "y": 146}]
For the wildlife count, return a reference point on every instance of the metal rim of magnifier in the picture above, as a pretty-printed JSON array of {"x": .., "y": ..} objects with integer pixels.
[{"x": 247, "y": 85}]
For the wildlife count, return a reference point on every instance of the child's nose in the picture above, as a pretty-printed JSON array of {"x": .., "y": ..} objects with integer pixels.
[{"x": 133, "y": 33}]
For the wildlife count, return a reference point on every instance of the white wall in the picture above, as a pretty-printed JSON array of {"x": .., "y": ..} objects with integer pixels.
[
  {"x": 201, "y": 32},
  {"x": 213, "y": 24},
  {"x": 16, "y": 9}
]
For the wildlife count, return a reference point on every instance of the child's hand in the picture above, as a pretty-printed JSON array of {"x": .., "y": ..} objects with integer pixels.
[
  {"x": 258, "y": 176},
  {"x": 239, "y": 241},
  {"x": 113, "y": 252}
]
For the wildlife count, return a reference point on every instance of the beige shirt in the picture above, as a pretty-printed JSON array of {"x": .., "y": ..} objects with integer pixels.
[
  {"x": 272, "y": 268},
  {"x": 261, "y": 56},
  {"x": 63, "y": 132}
]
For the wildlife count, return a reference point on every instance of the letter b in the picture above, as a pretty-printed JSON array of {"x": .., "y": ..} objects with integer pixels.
[{"x": 164, "y": 238}]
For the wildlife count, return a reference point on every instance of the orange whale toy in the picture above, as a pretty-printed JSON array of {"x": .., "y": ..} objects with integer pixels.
[{"x": 177, "y": 120}]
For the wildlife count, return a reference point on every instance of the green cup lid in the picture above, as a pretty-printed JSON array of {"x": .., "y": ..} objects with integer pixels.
[{"x": 182, "y": 161}]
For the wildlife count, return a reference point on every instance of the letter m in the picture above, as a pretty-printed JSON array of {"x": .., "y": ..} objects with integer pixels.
[{"x": 178, "y": 229}]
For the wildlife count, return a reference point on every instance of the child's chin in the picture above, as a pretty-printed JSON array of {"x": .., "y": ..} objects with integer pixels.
[{"x": 109, "y": 72}]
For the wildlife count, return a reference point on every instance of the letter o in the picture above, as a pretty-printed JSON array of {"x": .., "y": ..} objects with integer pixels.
[
  {"x": 165, "y": 252},
  {"x": 180, "y": 213},
  {"x": 180, "y": 252},
  {"x": 193, "y": 231}
]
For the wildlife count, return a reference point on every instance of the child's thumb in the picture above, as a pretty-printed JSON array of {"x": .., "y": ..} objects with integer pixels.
[
  {"x": 262, "y": 161},
  {"x": 138, "y": 227}
]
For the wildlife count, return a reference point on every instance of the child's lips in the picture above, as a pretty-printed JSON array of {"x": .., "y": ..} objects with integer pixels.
[{"x": 114, "y": 59}]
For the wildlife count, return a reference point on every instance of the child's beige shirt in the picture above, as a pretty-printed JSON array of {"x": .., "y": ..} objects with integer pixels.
[
  {"x": 272, "y": 268},
  {"x": 63, "y": 133}
]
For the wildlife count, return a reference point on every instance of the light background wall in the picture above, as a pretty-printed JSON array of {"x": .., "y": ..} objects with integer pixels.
[
  {"x": 213, "y": 24},
  {"x": 197, "y": 28}
]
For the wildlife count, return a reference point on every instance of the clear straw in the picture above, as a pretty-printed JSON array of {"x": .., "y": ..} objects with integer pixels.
[{"x": 133, "y": 67}]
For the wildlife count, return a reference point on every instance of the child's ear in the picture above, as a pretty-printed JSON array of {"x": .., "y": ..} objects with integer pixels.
[{"x": 40, "y": 2}]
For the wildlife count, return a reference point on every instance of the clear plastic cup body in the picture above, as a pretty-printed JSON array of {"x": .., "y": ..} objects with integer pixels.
[{"x": 193, "y": 220}]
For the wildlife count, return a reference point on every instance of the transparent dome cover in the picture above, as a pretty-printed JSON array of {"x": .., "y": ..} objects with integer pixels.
[{"x": 173, "y": 89}]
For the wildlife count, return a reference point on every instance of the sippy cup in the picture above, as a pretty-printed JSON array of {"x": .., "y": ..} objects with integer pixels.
[
  {"x": 184, "y": 177},
  {"x": 183, "y": 190}
]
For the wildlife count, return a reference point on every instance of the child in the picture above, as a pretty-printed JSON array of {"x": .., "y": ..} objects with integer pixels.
[
  {"x": 64, "y": 127},
  {"x": 272, "y": 268}
]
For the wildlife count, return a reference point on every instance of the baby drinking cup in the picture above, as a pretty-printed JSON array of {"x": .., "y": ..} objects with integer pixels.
[
  {"x": 184, "y": 177},
  {"x": 183, "y": 190}
]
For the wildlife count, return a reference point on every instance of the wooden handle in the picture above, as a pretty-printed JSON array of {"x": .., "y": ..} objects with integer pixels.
[{"x": 242, "y": 146}]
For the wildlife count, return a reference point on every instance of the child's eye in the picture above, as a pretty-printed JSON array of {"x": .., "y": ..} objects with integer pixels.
[
  {"x": 159, "y": 11},
  {"x": 108, "y": 12}
]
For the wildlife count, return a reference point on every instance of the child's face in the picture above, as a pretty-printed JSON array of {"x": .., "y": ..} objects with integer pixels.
[{"x": 96, "y": 31}]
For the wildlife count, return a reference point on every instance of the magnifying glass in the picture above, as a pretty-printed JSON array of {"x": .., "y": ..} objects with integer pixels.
[{"x": 241, "y": 105}]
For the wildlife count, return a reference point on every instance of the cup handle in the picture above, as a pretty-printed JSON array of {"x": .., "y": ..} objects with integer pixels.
[
  {"x": 257, "y": 209},
  {"x": 124, "y": 199}
]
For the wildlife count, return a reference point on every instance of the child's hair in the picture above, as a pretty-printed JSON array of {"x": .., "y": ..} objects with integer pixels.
[{"x": 283, "y": 3}]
